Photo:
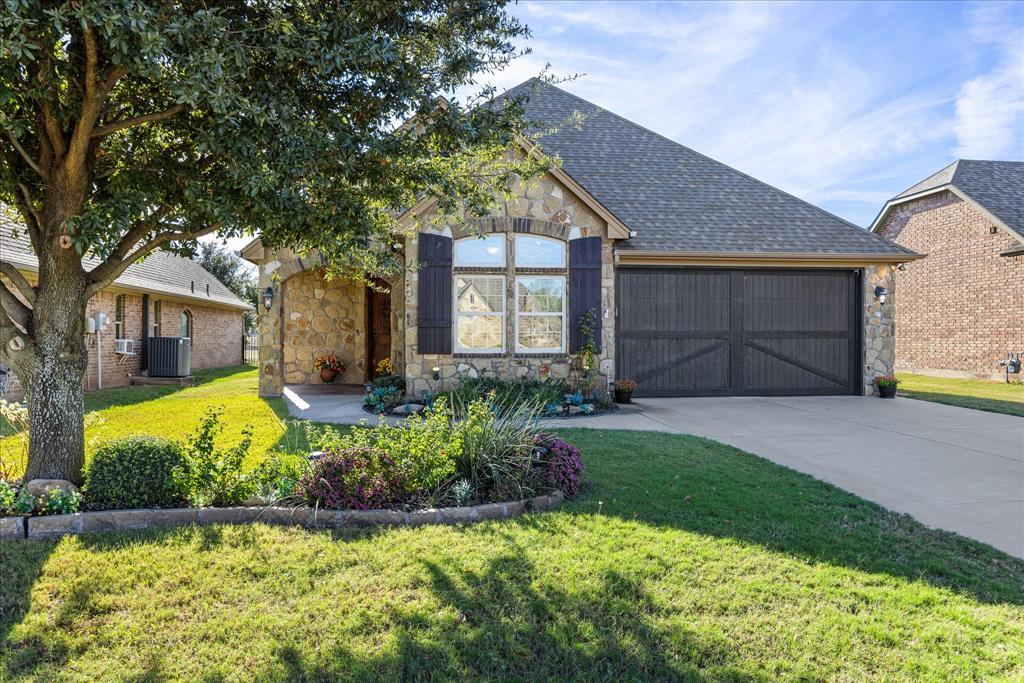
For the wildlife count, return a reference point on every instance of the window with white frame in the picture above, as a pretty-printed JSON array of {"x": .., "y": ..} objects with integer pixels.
[
  {"x": 540, "y": 314},
  {"x": 119, "y": 317},
  {"x": 479, "y": 314},
  {"x": 486, "y": 251},
  {"x": 539, "y": 252}
]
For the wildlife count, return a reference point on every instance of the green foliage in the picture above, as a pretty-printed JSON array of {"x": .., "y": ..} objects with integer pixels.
[
  {"x": 506, "y": 394},
  {"x": 382, "y": 399},
  {"x": 233, "y": 272},
  {"x": 278, "y": 476},
  {"x": 135, "y": 472},
  {"x": 8, "y": 495},
  {"x": 447, "y": 455},
  {"x": 57, "y": 502},
  {"x": 272, "y": 114},
  {"x": 211, "y": 475},
  {"x": 585, "y": 364}
]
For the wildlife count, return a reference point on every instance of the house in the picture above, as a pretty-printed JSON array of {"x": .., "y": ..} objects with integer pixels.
[
  {"x": 701, "y": 280},
  {"x": 961, "y": 310},
  {"x": 164, "y": 295}
]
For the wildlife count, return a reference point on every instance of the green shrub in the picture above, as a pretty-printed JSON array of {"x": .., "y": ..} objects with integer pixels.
[
  {"x": 485, "y": 455},
  {"x": 8, "y": 496},
  {"x": 57, "y": 502},
  {"x": 508, "y": 394},
  {"x": 212, "y": 476},
  {"x": 278, "y": 476},
  {"x": 135, "y": 472}
]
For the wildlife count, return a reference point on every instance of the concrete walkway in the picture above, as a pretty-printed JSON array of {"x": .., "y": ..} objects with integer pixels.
[{"x": 951, "y": 468}]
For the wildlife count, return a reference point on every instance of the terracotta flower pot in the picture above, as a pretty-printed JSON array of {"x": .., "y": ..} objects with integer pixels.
[
  {"x": 328, "y": 375},
  {"x": 623, "y": 396},
  {"x": 887, "y": 391}
]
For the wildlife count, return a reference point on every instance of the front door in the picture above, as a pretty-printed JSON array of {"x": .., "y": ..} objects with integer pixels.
[{"x": 380, "y": 324}]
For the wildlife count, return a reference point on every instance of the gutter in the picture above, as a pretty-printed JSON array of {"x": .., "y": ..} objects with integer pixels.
[{"x": 792, "y": 259}]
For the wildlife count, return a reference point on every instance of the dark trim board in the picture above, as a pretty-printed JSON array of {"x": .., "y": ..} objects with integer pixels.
[{"x": 739, "y": 332}]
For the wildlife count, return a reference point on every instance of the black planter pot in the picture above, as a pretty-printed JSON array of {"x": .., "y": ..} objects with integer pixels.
[
  {"x": 887, "y": 392},
  {"x": 623, "y": 396}
]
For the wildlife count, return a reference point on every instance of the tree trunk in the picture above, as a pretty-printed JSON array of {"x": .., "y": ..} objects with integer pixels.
[{"x": 53, "y": 367}]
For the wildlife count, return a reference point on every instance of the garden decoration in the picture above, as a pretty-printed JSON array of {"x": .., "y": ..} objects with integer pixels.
[
  {"x": 329, "y": 367},
  {"x": 886, "y": 386},
  {"x": 624, "y": 389}
]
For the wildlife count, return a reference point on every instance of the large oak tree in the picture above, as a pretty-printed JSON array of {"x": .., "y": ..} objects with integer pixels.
[{"x": 128, "y": 126}]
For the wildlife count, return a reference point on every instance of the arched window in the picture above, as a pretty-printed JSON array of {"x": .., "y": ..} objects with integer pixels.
[
  {"x": 186, "y": 324},
  {"x": 488, "y": 250},
  {"x": 539, "y": 252}
]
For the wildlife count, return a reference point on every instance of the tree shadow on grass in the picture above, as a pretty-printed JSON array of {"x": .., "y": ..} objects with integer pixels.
[
  {"x": 507, "y": 622},
  {"x": 706, "y": 487},
  {"x": 21, "y": 564}
]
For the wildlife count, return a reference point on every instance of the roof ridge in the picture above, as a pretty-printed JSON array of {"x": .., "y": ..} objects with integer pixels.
[{"x": 716, "y": 161}]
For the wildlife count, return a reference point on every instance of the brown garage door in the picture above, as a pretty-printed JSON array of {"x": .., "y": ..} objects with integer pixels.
[{"x": 719, "y": 332}]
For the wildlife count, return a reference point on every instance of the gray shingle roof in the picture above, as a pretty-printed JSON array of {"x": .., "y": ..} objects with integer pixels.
[
  {"x": 679, "y": 200},
  {"x": 161, "y": 272},
  {"x": 998, "y": 186}
]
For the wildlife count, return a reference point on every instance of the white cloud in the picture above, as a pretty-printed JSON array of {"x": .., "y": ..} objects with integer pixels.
[{"x": 990, "y": 107}]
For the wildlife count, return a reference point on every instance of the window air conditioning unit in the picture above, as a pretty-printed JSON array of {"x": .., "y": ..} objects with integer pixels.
[{"x": 124, "y": 347}]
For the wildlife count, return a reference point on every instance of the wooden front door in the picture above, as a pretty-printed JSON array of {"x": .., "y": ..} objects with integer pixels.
[{"x": 380, "y": 325}]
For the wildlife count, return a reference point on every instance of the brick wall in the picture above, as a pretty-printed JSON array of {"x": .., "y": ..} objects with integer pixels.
[
  {"x": 216, "y": 337},
  {"x": 959, "y": 310}
]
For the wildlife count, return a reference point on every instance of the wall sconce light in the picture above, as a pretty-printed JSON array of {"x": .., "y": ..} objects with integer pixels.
[
  {"x": 880, "y": 294},
  {"x": 437, "y": 373},
  {"x": 901, "y": 267},
  {"x": 268, "y": 297}
]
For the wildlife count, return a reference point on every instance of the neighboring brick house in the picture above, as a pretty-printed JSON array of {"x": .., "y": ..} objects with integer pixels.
[
  {"x": 702, "y": 280},
  {"x": 961, "y": 309},
  {"x": 163, "y": 295}
]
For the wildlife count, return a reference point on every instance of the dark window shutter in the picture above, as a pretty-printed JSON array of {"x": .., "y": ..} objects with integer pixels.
[
  {"x": 434, "y": 321},
  {"x": 584, "y": 288}
]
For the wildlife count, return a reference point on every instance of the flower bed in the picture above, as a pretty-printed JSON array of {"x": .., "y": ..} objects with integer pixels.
[{"x": 486, "y": 455}]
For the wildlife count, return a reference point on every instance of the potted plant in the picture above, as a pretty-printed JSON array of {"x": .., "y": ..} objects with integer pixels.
[
  {"x": 329, "y": 367},
  {"x": 886, "y": 386},
  {"x": 624, "y": 389}
]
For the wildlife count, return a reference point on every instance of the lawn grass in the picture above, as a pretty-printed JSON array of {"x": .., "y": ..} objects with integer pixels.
[
  {"x": 995, "y": 397},
  {"x": 174, "y": 412},
  {"x": 684, "y": 559}
]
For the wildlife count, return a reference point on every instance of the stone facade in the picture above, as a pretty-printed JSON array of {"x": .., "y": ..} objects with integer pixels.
[
  {"x": 324, "y": 316},
  {"x": 312, "y": 315},
  {"x": 879, "y": 325},
  {"x": 959, "y": 310},
  {"x": 216, "y": 336},
  {"x": 553, "y": 212}
]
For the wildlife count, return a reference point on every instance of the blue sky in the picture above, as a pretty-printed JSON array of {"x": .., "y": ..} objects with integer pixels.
[{"x": 842, "y": 104}]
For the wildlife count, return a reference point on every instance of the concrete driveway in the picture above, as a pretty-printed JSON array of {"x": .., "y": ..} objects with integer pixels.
[{"x": 952, "y": 468}]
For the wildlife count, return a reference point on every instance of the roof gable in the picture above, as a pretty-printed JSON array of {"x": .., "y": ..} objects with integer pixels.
[
  {"x": 677, "y": 199},
  {"x": 996, "y": 188}
]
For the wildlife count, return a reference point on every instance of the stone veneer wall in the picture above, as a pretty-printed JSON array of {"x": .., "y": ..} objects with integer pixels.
[
  {"x": 323, "y": 316},
  {"x": 960, "y": 309},
  {"x": 554, "y": 212},
  {"x": 340, "y": 307},
  {"x": 879, "y": 325}
]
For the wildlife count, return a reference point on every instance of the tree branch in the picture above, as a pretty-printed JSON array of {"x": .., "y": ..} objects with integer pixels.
[
  {"x": 25, "y": 155},
  {"x": 108, "y": 271},
  {"x": 23, "y": 285},
  {"x": 31, "y": 216},
  {"x": 19, "y": 313},
  {"x": 107, "y": 129}
]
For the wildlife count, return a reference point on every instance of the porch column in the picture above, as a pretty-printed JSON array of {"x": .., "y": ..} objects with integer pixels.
[{"x": 271, "y": 363}]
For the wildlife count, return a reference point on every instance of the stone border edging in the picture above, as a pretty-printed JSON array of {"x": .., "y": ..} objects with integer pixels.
[{"x": 52, "y": 526}]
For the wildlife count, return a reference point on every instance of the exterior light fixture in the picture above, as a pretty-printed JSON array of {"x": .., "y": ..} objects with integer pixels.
[
  {"x": 437, "y": 373},
  {"x": 901, "y": 267},
  {"x": 880, "y": 294},
  {"x": 268, "y": 297}
]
